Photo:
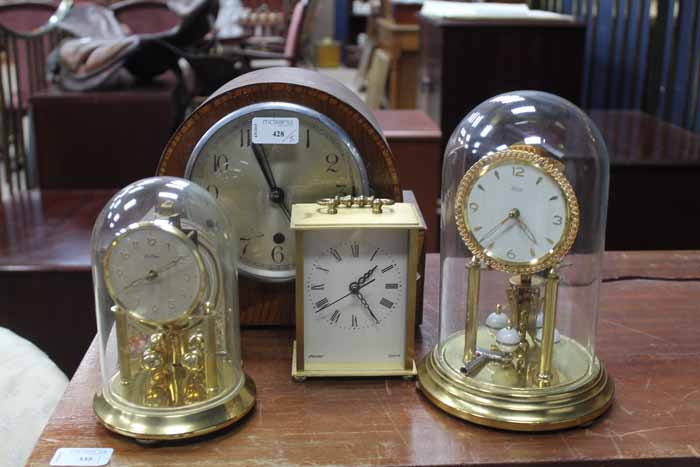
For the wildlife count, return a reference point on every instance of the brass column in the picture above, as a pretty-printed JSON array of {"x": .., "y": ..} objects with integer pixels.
[
  {"x": 210, "y": 358},
  {"x": 470, "y": 327},
  {"x": 550, "y": 314}
]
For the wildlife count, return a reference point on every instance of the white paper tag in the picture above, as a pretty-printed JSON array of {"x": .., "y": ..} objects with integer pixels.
[
  {"x": 269, "y": 130},
  {"x": 75, "y": 457}
]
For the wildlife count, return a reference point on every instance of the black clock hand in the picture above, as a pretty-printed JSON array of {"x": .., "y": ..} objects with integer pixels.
[
  {"x": 366, "y": 305},
  {"x": 154, "y": 273},
  {"x": 366, "y": 276},
  {"x": 346, "y": 295},
  {"x": 276, "y": 193}
]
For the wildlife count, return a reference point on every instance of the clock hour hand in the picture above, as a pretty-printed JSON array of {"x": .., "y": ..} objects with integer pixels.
[
  {"x": 366, "y": 276},
  {"x": 154, "y": 273},
  {"x": 276, "y": 193},
  {"x": 353, "y": 290}
]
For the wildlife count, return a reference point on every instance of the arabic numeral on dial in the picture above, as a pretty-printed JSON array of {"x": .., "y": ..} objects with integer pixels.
[
  {"x": 152, "y": 242},
  {"x": 171, "y": 303},
  {"x": 518, "y": 171},
  {"x": 474, "y": 207},
  {"x": 557, "y": 220},
  {"x": 277, "y": 254},
  {"x": 511, "y": 254},
  {"x": 245, "y": 137},
  {"x": 221, "y": 163},
  {"x": 332, "y": 160},
  {"x": 278, "y": 134}
]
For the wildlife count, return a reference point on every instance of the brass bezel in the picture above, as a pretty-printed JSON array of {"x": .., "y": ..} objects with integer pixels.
[
  {"x": 180, "y": 236},
  {"x": 550, "y": 168}
]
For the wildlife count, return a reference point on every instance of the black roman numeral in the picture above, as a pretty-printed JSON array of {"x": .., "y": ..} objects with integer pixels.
[
  {"x": 374, "y": 254},
  {"x": 391, "y": 286},
  {"x": 321, "y": 303},
  {"x": 318, "y": 287},
  {"x": 335, "y": 254},
  {"x": 322, "y": 269},
  {"x": 388, "y": 268},
  {"x": 335, "y": 316},
  {"x": 355, "y": 249},
  {"x": 354, "y": 321},
  {"x": 386, "y": 303}
]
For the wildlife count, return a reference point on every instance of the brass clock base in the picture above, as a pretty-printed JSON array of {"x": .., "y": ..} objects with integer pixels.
[
  {"x": 301, "y": 375},
  {"x": 182, "y": 425},
  {"x": 531, "y": 408}
]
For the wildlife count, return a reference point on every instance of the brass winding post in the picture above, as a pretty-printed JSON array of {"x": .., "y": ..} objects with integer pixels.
[
  {"x": 471, "y": 325},
  {"x": 123, "y": 344},
  {"x": 544, "y": 375}
]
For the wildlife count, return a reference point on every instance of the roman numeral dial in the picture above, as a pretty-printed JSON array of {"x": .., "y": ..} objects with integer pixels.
[{"x": 355, "y": 285}]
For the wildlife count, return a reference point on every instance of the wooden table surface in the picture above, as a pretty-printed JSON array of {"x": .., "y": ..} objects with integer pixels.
[{"x": 648, "y": 338}]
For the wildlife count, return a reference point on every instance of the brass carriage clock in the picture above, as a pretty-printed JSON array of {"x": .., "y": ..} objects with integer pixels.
[
  {"x": 357, "y": 280},
  {"x": 521, "y": 249},
  {"x": 167, "y": 313}
]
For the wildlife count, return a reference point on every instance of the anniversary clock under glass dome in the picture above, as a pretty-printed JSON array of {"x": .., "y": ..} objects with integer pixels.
[
  {"x": 524, "y": 201},
  {"x": 167, "y": 313}
]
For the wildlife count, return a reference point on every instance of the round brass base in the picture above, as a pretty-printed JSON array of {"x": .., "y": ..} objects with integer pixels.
[
  {"x": 532, "y": 410},
  {"x": 175, "y": 426}
]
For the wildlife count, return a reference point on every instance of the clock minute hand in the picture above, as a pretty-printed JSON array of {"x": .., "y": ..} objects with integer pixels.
[
  {"x": 367, "y": 307},
  {"x": 528, "y": 233},
  {"x": 276, "y": 193}
]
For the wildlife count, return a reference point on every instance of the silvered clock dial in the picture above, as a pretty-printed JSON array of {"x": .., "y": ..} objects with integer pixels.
[{"x": 259, "y": 160}]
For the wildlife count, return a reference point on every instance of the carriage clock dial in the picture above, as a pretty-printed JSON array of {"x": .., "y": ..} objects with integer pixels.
[
  {"x": 356, "y": 285},
  {"x": 258, "y": 161},
  {"x": 516, "y": 211}
]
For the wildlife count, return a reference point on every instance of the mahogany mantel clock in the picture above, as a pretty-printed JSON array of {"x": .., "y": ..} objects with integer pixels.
[{"x": 267, "y": 140}]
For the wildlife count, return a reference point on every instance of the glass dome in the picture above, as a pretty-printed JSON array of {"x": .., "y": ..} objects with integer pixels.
[
  {"x": 524, "y": 204},
  {"x": 166, "y": 297}
]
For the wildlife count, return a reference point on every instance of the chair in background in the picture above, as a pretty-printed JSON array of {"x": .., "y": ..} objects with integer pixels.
[
  {"x": 289, "y": 56},
  {"x": 377, "y": 78},
  {"x": 27, "y": 34},
  {"x": 145, "y": 16}
]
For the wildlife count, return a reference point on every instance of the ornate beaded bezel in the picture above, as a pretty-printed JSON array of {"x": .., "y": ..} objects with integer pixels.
[{"x": 553, "y": 169}]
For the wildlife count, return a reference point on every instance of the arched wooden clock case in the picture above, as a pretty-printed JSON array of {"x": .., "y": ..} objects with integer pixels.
[{"x": 273, "y": 303}]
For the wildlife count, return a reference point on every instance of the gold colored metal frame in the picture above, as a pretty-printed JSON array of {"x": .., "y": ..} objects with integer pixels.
[
  {"x": 550, "y": 167},
  {"x": 182, "y": 238},
  {"x": 299, "y": 373}
]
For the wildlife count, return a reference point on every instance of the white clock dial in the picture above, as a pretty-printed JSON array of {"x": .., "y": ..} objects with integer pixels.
[
  {"x": 154, "y": 274},
  {"x": 256, "y": 184},
  {"x": 516, "y": 212},
  {"x": 355, "y": 298}
]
